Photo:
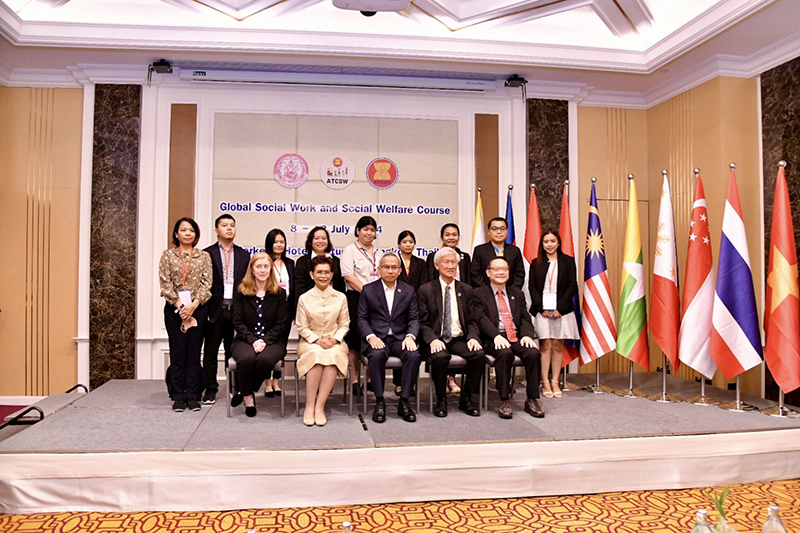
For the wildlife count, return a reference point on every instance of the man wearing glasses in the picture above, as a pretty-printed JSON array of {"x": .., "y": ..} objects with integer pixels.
[
  {"x": 497, "y": 247},
  {"x": 507, "y": 331},
  {"x": 388, "y": 320}
]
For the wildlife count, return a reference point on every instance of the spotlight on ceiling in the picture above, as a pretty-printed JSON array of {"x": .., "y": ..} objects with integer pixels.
[
  {"x": 515, "y": 81},
  {"x": 162, "y": 66},
  {"x": 368, "y": 8}
]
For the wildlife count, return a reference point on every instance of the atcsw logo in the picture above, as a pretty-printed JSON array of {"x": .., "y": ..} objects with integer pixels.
[
  {"x": 337, "y": 172},
  {"x": 291, "y": 170},
  {"x": 382, "y": 173}
]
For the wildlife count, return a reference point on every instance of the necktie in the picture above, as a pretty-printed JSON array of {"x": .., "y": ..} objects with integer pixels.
[
  {"x": 447, "y": 321},
  {"x": 505, "y": 316}
]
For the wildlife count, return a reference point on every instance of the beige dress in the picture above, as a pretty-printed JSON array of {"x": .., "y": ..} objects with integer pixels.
[{"x": 321, "y": 313}]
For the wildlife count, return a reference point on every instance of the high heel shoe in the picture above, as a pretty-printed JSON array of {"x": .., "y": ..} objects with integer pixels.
[
  {"x": 556, "y": 390},
  {"x": 546, "y": 392}
]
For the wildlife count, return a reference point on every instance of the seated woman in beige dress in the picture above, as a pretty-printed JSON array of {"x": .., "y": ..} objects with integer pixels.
[{"x": 322, "y": 323}]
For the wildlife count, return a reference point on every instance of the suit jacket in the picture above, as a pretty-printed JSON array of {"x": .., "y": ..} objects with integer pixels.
[
  {"x": 489, "y": 315},
  {"x": 418, "y": 273},
  {"x": 431, "y": 310},
  {"x": 241, "y": 262},
  {"x": 292, "y": 300},
  {"x": 374, "y": 316},
  {"x": 245, "y": 317},
  {"x": 566, "y": 284},
  {"x": 464, "y": 274},
  {"x": 484, "y": 254},
  {"x": 302, "y": 279}
]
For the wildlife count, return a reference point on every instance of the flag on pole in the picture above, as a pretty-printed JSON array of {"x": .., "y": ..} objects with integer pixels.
[
  {"x": 735, "y": 337},
  {"x": 632, "y": 337},
  {"x": 694, "y": 338},
  {"x": 533, "y": 229},
  {"x": 478, "y": 232},
  {"x": 571, "y": 346},
  {"x": 782, "y": 305},
  {"x": 598, "y": 330},
  {"x": 510, "y": 238},
  {"x": 665, "y": 300}
]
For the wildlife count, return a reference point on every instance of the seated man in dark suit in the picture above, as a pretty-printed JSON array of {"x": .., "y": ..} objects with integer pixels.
[
  {"x": 497, "y": 247},
  {"x": 506, "y": 331},
  {"x": 448, "y": 326},
  {"x": 388, "y": 320}
]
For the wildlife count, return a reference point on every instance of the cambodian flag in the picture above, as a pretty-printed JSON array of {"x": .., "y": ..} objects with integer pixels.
[{"x": 735, "y": 335}]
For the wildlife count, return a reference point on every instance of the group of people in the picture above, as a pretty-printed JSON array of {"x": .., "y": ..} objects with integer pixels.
[{"x": 365, "y": 304}]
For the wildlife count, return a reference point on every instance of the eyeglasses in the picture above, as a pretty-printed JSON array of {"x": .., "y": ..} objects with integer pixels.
[
  {"x": 498, "y": 228},
  {"x": 499, "y": 269},
  {"x": 390, "y": 267}
]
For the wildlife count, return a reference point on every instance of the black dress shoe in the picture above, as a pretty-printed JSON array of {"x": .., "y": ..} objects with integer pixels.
[
  {"x": 405, "y": 411},
  {"x": 468, "y": 407},
  {"x": 441, "y": 408},
  {"x": 237, "y": 399},
  {"x": 357, "y": 391},
  {"x": 504, "y": 410},
  {"x": 250, "y": 411},
  {"x": 379, "y": 413},
  {"x": 532, "y": 408},
  {"x": 269, "y": 393}
]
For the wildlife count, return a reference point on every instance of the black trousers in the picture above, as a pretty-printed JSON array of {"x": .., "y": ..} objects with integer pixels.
[
  {"x": 377, "y": 365},
  {"x": 504, "y": 359},
  {"x": 252, "y": 368},
  {"x": 219, "y": 332},
  {"x": 474, "y": 371},
  {"x": 184, "y": 375}
]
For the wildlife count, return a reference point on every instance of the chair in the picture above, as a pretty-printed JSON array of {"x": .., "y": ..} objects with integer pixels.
[
  {"x": 391, "y": 363},
  {"x": 490, "y": 361},
  {"x": 347, "y": 393},
  {"x": 231, "y": 370},
  {"x": 456, "y": 362}
]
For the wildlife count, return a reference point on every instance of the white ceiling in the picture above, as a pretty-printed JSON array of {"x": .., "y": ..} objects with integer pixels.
[{"x": 634, "y": 52}]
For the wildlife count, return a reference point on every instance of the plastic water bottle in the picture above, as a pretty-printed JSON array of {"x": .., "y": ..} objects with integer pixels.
[
  {"x": 348, "y": 528},
  {"x": 773, "y": 523},
  {"x": 702, "y": 525}
]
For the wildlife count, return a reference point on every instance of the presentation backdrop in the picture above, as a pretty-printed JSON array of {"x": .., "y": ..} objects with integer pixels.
[{"x": 296, "y": 171}]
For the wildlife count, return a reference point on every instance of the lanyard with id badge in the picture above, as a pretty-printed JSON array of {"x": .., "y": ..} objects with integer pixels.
[
  {"x": 373, "y": 276},
  {"x": 227, "y": 281},
  {"x": 549, "y": 297},
  {"x": 185, "y": 293}
]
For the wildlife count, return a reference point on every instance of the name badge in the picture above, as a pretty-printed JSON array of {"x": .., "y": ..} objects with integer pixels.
[
  {"x": 185, "y": 296},
  {"x": 285, "y": 286},
  {"x": 227, "y": 293},
  {"x": 374, "y": 276},
  {"x": 549, "y": 301}
]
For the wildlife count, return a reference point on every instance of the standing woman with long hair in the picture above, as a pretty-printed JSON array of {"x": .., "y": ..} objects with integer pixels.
[
  {"x": 185, "y": 275},
  {"x": 283, "y": 271},
  {"x": 552, "y": 284},
  {"x": 259, "y": 318},
  {"x": 359, "y": 263}
]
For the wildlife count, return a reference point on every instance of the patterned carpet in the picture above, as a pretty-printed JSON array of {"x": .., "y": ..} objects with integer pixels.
[{"x": 669, "y": 511}]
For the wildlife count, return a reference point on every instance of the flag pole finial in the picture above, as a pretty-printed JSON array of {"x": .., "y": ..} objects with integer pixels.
[
  {"x": 510, "y": 187},
  {"x": 566, "y": 182},
  {"x": 533, "y": 186},
  {"x": 696, "y": 171},
  {"x": 630, "y": 176},
  {"x": 594, "y": 180},
  {"x": 664, "y": 172},
  {"x": 733, "y": 166},
  {"x": 782, "y": 163}
]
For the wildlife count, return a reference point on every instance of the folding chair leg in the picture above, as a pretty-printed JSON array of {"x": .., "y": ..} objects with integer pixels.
[
  {"x": 283, "y": 410},
  {"x": 296, "y": 391}
]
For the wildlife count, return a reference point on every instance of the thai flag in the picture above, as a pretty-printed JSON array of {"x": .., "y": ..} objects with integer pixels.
[{"x": 735, "y": 335}]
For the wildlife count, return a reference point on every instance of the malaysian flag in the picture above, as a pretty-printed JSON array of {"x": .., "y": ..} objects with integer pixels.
[
  {"x": 735, "y": 335},
  {"x": 598, "y": 330}
]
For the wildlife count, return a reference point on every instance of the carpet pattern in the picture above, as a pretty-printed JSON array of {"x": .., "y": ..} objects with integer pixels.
[{"x": 669, "y": 511}]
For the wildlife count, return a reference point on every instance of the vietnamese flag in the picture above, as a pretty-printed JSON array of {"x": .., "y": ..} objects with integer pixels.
[{"x": 782, "y": 304}]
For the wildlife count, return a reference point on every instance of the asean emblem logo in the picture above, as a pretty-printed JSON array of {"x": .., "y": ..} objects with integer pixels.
[
  {"x": 291, "y": 170},
  {"x": 382, "y": 173}
]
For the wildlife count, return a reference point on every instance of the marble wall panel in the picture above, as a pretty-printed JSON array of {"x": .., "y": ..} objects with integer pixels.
[
  {"x": 115, "y": 177},
  {"x": 548, "y": 155},
  {"x": 780, "y": 122}
]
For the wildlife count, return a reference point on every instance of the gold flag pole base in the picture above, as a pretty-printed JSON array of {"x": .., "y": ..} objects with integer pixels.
[
  {"x": 598, "y": 389},
  {"x": 737, "y": 407},
  {"x": 631, "y": 393},
  {"x": 663, "y": 397},
  {"x": 780, "y": 410},
  {"x": 703, "y": 400}
]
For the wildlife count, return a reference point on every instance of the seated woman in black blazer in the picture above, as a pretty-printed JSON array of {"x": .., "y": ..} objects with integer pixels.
[
  {"x": 259, "y": 314},
  {"x": 552, "y": 283},
  {"x": 318, "y": 243}
]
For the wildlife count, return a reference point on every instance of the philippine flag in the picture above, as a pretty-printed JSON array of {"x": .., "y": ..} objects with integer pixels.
[{"x": 735, "y": 335}]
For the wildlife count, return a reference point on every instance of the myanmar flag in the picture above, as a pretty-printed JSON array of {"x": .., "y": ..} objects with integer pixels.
[{"x": 632, "y": 332}]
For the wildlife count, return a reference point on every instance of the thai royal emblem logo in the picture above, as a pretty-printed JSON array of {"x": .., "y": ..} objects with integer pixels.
[{"x": 291, "y": 170}]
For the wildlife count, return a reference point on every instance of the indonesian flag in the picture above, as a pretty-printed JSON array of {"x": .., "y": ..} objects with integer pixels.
[
  {"x": 632, "y": 333},
  {"x": 694, "y": 339},
  {"x": 735, "y": 335},
  {"x": 533, "y": 229},
  {"x": 782, "y": 305},
  {"x": 664, "y": 296},
  {"x": 571, "y": 346}
]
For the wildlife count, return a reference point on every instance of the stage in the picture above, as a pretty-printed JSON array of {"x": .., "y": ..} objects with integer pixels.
[{"x": 121, "y": 448}]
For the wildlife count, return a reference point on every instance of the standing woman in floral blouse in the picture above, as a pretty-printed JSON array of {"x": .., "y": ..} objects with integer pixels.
[{"x": 185, "y": 275}]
